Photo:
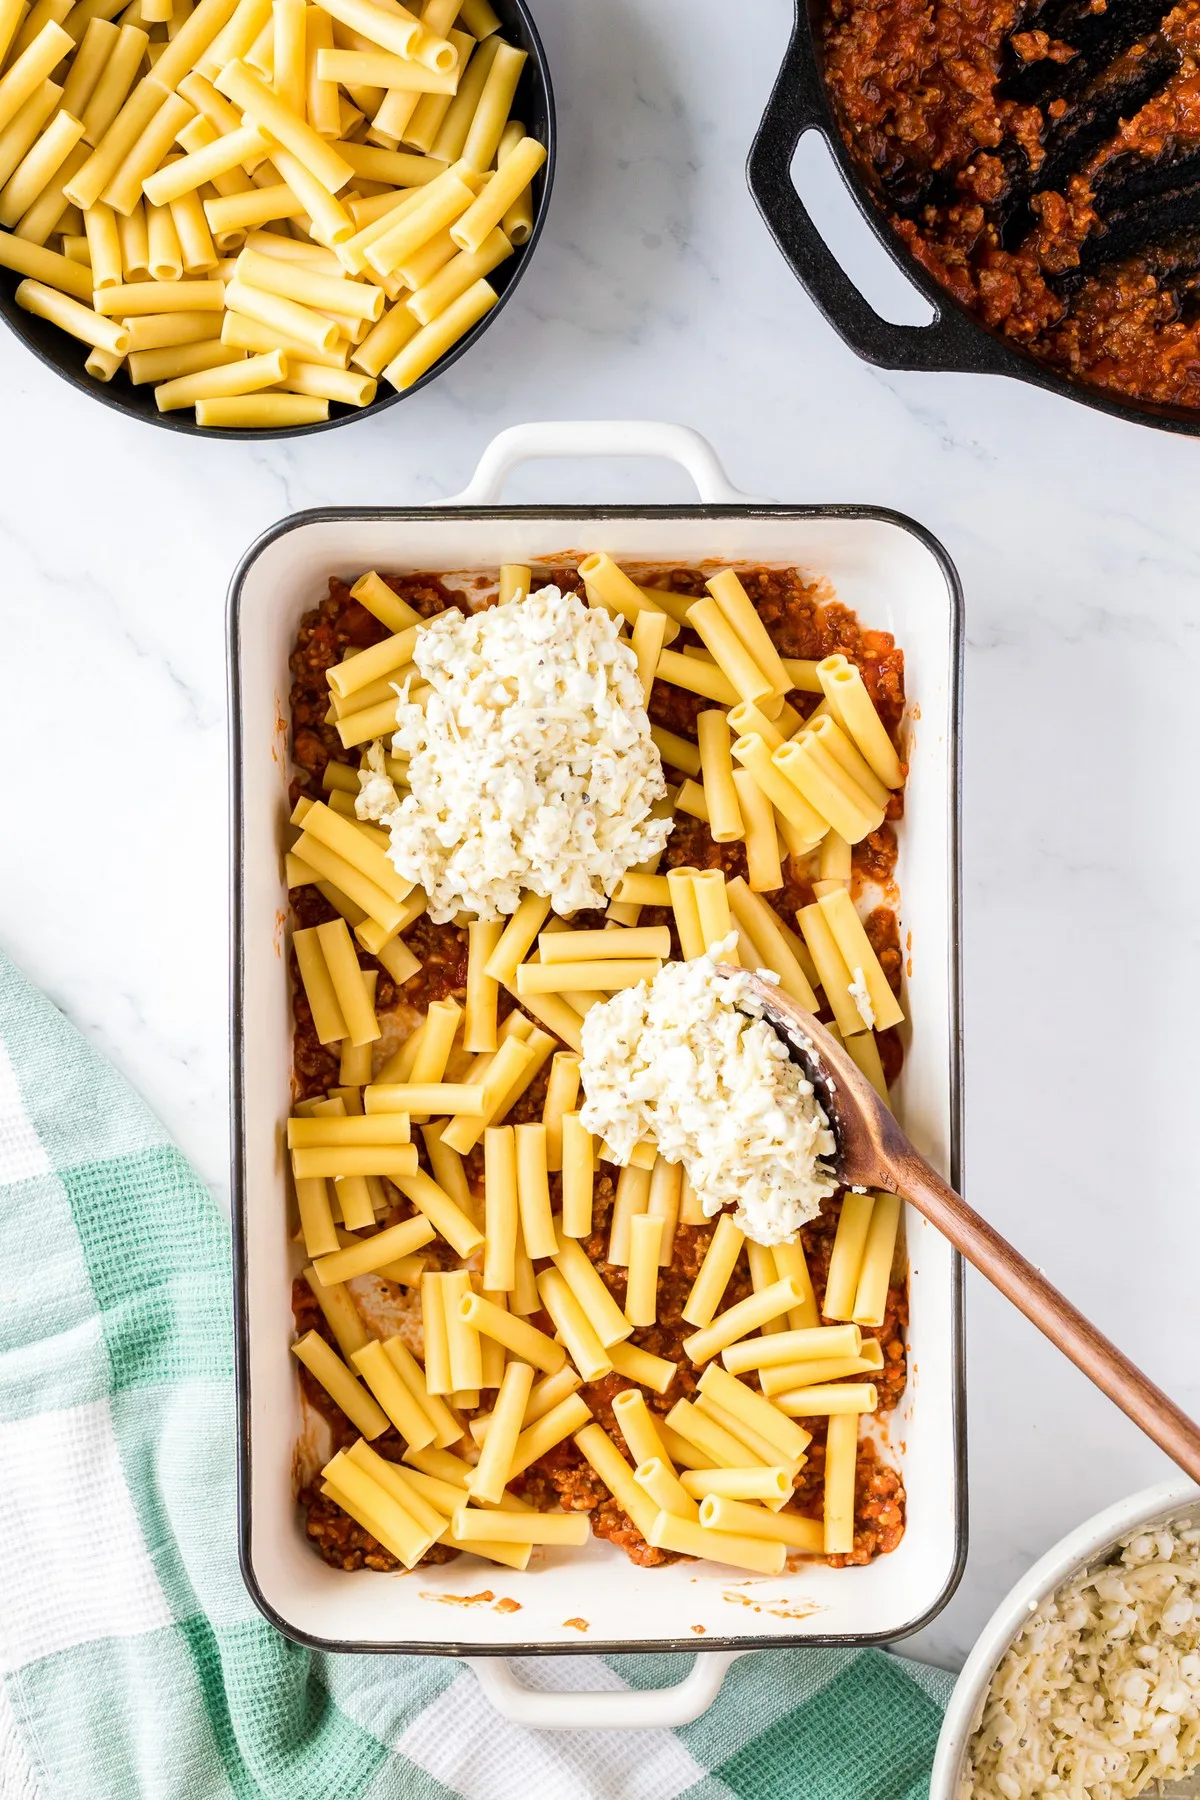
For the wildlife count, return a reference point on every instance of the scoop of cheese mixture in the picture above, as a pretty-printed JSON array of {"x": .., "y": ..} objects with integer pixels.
[
  {"x": 1099, "y": 1697},
  {"x": 531, "y": 761},
  {"x": 683, "y": 1059}
]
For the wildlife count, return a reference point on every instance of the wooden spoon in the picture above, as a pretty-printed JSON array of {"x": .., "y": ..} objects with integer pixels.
[{"x": 873, "y": 1152}]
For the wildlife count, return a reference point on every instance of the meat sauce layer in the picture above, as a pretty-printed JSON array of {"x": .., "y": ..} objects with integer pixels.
[
  {"x": 1041, "y": 159},
  {"x": 802, "y": 624}
]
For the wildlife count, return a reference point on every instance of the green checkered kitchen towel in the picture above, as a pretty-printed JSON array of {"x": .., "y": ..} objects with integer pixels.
[{"x": 134, "y": 1663}]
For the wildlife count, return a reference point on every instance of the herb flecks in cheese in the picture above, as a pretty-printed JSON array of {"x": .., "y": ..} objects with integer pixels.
[
  {"x": 1099, "y": 1696},
  {"x": 688, "y": 1060},
  {"x": 531, "y": 764}
]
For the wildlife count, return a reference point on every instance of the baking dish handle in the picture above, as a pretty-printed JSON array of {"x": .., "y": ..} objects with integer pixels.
[
  {"x": 598, "y": 437},
  {"x": 626, "y": 1709},
  {"x": 798, "y": 103}
]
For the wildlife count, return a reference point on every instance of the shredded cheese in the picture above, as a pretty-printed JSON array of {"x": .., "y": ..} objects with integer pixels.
[
  {"x": 376, "y": 796},
  {"x": 531, "y": 763},
  {"x": 1099, "y": 1696},
  {"x": 688, "y": 1060},
  {"x": 861, "y": 997}
]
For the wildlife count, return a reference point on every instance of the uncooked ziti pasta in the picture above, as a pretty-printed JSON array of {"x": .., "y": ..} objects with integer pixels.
[
  {"x": 261, "y": 209},
  {"x": 526, "y": 1309}
]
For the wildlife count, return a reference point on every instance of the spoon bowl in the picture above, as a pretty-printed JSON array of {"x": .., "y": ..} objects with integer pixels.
[{"x": 867, "y": 1136}]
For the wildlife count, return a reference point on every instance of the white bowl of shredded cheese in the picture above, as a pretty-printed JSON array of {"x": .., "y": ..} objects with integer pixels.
[{"x": 1086, "y": 1680}]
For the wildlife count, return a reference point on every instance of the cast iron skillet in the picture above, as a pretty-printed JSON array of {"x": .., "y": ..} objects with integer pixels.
[
  {"x": 956, "y": 341},
  {"x": 533, "y": 104}
]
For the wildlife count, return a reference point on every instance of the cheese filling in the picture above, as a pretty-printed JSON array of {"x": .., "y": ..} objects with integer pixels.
[
  {"x": 860, "y": 994},
  {"x": 531, "y": 768},
  {"x": 688, "y": 1060}
]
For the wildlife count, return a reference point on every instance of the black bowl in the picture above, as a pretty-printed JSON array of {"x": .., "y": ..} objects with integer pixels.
[
  {"x": 534, "y": 105},
  {"x": 956, "y": 341}
]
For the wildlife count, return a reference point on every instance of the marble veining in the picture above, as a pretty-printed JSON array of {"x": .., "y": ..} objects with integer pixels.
[{"x": 657, "y": 292}]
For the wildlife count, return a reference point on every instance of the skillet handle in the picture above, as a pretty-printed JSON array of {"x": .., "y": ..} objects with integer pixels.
[
  {"x": 623, "y": 1709},
  {"x": 798, "y": 103},
  {"x": 598, "y": 437}
]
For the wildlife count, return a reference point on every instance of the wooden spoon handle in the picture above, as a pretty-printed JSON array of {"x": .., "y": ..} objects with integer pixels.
[{"x": 1052, "y": 1313}]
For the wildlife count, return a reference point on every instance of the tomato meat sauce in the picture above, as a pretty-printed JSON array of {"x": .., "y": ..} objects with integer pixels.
[
  {"x": 1041, "y": 160},
  {"x": 803, "y": 623}
]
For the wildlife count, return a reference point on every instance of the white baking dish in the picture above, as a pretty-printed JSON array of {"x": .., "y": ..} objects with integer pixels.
[{"x": 895, "y": 577}]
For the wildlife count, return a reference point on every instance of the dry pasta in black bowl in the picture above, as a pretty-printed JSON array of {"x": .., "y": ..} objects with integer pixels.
[{"x": 265, "y": 216}]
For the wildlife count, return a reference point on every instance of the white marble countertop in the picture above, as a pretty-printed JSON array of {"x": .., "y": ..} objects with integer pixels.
[{"x": 657, "y": 292}]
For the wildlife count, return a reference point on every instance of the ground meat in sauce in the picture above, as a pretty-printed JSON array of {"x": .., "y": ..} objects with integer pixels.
[
  {"x": 337, "y": 626},
  {"x": 1038, "y": 157},
  {"x": 337, "y": 1538},
  {"x": 802, "y": 625}
]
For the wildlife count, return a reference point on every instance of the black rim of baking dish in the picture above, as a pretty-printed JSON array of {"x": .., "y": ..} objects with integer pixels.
[
  {"x": 65, "y": 356},
  {"x": 549, "y": 515},
  {"x": 956, "y": 341}
]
